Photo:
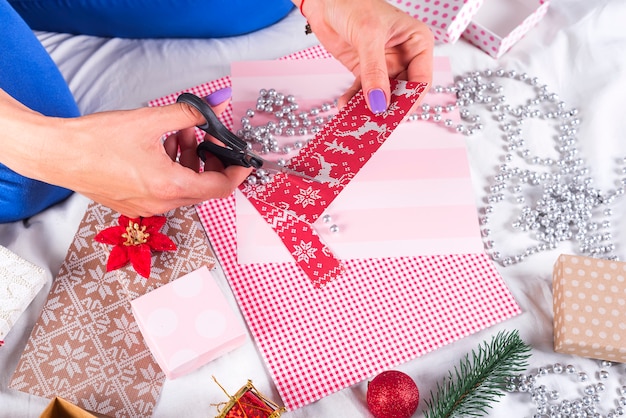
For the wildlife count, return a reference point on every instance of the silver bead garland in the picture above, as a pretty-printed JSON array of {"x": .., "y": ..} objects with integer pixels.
[
  {"x": 286, "y": 120},
  {"x": 553, "y": 196},
  {"x": 588, "y": 403}
]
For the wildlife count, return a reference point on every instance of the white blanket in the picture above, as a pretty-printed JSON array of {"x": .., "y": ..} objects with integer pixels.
[{"x": 578, "y": 50}]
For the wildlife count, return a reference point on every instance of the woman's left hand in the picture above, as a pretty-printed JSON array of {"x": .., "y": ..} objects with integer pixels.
[{"x": 375, "y": 41}]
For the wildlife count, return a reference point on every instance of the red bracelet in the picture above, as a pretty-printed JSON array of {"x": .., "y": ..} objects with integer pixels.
[{"x": 301, "y": 12}]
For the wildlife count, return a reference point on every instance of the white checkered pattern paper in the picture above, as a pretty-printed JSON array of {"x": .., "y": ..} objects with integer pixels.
[{"x": 380, "y": 313}]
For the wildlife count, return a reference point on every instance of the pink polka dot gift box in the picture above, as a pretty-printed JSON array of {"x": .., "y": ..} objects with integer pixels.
[
  {"x": 447, "y": 18},
  {"x": 499, "y": 24},
  {"x": 187, "y": 323},
  {"x": 589, "y": 305}
]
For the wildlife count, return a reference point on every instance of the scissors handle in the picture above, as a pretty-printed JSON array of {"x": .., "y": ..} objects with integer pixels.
[
  {"x": 226, "y": 155},
  {"x": 234, "y": 152}
]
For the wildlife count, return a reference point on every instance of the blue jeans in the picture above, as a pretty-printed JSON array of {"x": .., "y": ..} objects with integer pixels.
[
  {"x": 29, "y": 75},
  {"x": 152, "y": 19}
]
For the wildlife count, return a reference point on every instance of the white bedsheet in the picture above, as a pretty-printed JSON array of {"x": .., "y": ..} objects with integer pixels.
[{"x": 578, "y": 50}]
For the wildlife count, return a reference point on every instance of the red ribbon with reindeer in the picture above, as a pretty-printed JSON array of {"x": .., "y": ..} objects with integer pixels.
[{"x": 334, "y": 156}]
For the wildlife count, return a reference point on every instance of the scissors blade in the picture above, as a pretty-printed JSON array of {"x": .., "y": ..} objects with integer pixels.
[{"x": 274, "y": 166}]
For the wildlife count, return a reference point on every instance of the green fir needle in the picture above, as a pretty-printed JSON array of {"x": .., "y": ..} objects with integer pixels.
[{"x": 480, "y": 378}]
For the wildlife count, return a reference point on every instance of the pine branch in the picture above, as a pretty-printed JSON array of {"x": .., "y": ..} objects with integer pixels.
[{"x": 479, "y": 381}]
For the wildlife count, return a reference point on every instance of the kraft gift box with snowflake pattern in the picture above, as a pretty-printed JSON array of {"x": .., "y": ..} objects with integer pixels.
[{"x": 86, "y": 346}]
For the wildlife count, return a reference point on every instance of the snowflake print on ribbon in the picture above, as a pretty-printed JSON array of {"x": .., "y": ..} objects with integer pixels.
[
  {"x": 307, "y": 197},
  {"x": 304, "y": 252}
]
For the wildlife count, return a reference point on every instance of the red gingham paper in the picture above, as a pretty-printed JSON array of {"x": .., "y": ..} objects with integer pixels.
[{"x": 381, "y": 313}]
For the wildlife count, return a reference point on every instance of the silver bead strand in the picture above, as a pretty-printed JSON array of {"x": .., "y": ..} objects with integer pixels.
[
  {"x": 589, "y": 400},
  {"x": 286, "y": 121},
  {"x": 555, "y": 195}
]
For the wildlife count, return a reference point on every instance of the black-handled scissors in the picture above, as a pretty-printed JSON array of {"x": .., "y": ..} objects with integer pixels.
[{"x": 235, "y": 150}]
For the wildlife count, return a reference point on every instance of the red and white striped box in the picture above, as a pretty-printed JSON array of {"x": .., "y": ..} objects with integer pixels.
[
  {"x": 447, "y": 18},
  {"x": 499, "y": 24}
]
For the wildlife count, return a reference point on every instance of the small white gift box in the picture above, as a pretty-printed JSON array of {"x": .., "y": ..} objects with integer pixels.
[{"x": 20, "y": 281}]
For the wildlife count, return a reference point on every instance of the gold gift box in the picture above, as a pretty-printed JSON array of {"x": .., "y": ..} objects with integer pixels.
[{"x": 60, "y": 408}]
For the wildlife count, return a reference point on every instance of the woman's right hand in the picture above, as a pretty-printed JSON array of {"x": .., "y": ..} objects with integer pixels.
[{"x": 116, "y": 158}]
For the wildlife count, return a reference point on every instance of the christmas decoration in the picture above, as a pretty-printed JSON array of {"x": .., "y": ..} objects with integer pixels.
[
  {"x": 133, "y": 240},
  {"x": 248, "y": 403},
  {"x": 481, "y": 379},
  {"x": 549, "y": 398},
  {"x": 553, "y": 198},
  {"x": 112, "y": 338},
  {"x": 392, "y": 394}
]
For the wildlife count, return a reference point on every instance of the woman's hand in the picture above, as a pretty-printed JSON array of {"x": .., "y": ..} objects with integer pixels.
[
  {"x": 117, "y": 158},
  {"x": 375, "y": 41}
]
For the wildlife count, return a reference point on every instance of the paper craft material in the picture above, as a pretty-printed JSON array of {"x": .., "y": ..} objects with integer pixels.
[
  {"x": 334, "y": 156},
  {"x": 447, "y": 19},
  {"x": 413, "y": 197},
  {"x": 382, "y": 312},
  {"x": 499, "y": 24},
  {"x": 187, "y": 323},
  {"x": 86, "y": 346},
  {"x": 589, "y": 304},
  {"x": 20, "y": 282},
  {"x": 60, "y": 408}
]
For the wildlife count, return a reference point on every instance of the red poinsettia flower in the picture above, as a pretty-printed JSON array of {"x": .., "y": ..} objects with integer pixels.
[{"x": 133, "y": 240}]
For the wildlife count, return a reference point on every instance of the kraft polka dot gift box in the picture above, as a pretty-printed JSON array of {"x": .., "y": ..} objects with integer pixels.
[
  {"x": 446, "y": 18},
  {"x": 589, "y": 297},
  {"x": 187, "y": 323},
  {"x": 499, "y": 24}
]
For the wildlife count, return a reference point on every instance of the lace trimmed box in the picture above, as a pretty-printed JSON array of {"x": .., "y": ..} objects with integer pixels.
[
  {"x": 589, "y": 305},
  {"x": 20, "y": 282}
]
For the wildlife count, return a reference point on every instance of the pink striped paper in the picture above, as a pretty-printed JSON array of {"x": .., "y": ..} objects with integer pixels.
[{"x": 414, "y": 196}]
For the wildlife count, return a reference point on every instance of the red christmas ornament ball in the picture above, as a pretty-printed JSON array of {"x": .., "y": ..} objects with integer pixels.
[{"x": 392, "y": 394}]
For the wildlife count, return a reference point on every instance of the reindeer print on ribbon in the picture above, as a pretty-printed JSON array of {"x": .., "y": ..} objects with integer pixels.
[{"x": 334, "y": 156}]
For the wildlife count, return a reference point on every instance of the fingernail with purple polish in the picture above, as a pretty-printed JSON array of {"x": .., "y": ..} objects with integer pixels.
[
  {"x": 378, "y": 102},
  {"x": 219, "y": 96}
]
